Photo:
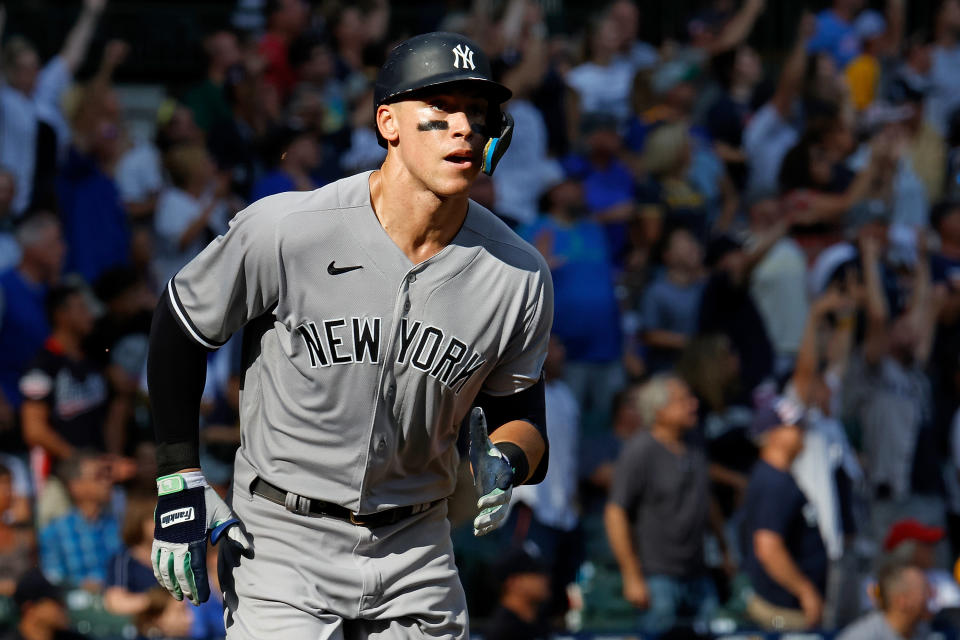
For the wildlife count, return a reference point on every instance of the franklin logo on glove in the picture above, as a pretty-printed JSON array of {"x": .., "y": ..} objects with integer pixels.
[{"x": 173, "y": 517}]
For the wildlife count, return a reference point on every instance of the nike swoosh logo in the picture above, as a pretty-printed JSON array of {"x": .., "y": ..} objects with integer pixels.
[{"x": 335, "y": 271}]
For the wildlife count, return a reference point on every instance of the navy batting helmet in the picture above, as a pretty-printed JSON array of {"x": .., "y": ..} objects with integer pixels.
[{"x": 440, "y": 58}]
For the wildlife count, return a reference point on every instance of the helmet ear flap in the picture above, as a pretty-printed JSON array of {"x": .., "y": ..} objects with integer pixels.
[{"x": 497, "y": 142}]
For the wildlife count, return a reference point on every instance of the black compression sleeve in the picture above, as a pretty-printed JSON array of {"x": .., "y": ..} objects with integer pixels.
[
  {"x": 527, "y": 405},
  {"x": 176, "y": 373}
]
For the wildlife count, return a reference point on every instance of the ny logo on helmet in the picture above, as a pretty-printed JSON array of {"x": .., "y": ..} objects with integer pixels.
[{"x": 464, "y": 55}]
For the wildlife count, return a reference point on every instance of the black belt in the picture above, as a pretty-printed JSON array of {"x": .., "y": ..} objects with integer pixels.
[{"x": 312, "y": 507}]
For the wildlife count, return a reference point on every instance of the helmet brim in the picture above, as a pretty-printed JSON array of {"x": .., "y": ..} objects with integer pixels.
[{"x": 495, "y": 92}]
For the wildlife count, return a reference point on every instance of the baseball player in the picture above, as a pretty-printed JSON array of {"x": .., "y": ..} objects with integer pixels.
[{"x": 378, "y": 311}]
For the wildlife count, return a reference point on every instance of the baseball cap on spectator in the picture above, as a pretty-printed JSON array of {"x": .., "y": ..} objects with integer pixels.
[
  {"x": 671, "y": 74},
  {"x": 520, "y": 560},
  {"x": 719, "y": 247},
  {"x": 34, "y": 587},
  {"x": 910, "y": 530},
  {"x": 597, "y": 121},
  {"x": 868, "y": 212},
  {"x": 869, "y": 24},
  {"x": 782, "y": 411},
  {"x": 830, "y": 265}
]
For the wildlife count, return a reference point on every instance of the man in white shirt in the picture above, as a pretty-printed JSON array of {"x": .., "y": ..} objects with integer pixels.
[{"x": 31, "y": 96}]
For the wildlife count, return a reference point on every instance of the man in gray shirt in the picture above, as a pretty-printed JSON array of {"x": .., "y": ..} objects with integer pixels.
[
  {"x": 659, "y": 511},
  {"x": 377, "y": 311}
]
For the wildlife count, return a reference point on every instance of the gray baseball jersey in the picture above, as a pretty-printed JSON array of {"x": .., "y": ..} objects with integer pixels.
[{"x": 363, "y": 365}]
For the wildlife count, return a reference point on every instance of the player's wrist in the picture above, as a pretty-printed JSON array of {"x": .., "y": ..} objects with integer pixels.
[
  {"x": 180, "y": 481},
  {"x": 517, "y": 459}
]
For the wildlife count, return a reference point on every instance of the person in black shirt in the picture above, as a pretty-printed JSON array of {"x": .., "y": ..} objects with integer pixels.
[
  {"x": 525, "y": 589},
  {"x": 784, "y": 555},
  {"x": 66, "y": 403},
  {"x": 43, "y": 613}
]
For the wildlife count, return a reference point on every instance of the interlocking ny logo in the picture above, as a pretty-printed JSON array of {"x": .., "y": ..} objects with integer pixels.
[{"x": 462, "y": 54}]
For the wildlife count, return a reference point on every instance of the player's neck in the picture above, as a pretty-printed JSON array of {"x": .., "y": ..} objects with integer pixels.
[{"x": 419, "y": 222}]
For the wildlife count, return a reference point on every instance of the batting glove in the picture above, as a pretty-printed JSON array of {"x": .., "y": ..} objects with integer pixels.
[
  {"x": 189, "y": 510},
  {"x": 492, "y": 476}
]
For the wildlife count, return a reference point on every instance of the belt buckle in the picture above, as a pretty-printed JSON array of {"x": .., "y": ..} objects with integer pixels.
[{"x": 355, "y": 521}]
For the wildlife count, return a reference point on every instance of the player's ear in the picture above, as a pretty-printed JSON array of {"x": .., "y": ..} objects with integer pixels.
[{"x": 387, "y": 122}]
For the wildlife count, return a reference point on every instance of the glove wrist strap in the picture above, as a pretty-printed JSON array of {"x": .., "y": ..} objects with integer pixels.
[
  {"x": 176, "y": 482},
  {"x": 517, "y": 459}
]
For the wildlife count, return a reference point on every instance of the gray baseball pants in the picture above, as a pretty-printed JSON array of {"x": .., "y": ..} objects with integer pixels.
[{"x": 319, "y": 578}]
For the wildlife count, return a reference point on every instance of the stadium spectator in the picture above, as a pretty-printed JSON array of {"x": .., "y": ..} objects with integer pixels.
[
  {"x": 75, "y": 549},
  {"x": 525, "y": 587},
  {"x": 233, "y": 143},
  {"x": 129, "y": 573},
  {"x": 574, "y": 247},
  {"x": 164, "y": 617},
  {"x": 139, "y": 173},
  {"x": 286, "y": 20},
  {"x": 778, "y": 283},
  {"x": 529, "y": 170},
  {"x": 672, "y": 300},
  {"x": 886, "y": 392},
  {"x": 548, "y": 512},
  {"x": 23, "y": 323},
  {"x": 739, "y": 72},
  {"x": 190, "y": 212},
  {"x": 66, "y": 397},
  {"x": 784, "y": 555},
  {"x": 727, "y": 308},
  {"x": 770, "y": 133},
  {"x": 910, "y": 541},
  {"x": 9, "y": 249},
  {"x": 42, "y": 610},
  {"x": 625, "y": 15},
  {"x": 17, "y": 543},
  {"x": 902, "y": 595},
  {"x": 599, "y": 451},
  {"x": 836, "y": 33},
  {"x": 293, "y": 154},
  {"x": 34, "y": 133},
  {"x": 207, "y": 100},
  {"x": 603, "y": 83},
  {"x": 608, "y": 185},
  {"x": 945, "y": 66},
  {"x": 94, "y": 218},
  {"x": 659, "y": 513}
]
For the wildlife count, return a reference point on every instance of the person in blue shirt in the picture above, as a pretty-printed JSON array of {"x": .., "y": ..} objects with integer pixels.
[
  {"x": 94, "y": 217},
  {"x": 23, "y": 320},
  {"x": 586, "y": 314},
  {"x": 835, "y": 33},
  {"x": 294, "y": 153},
  {"x": 784, "y": 555},
  {"x": 75, "y": 548},
  {"x": 608, "y": 184}
]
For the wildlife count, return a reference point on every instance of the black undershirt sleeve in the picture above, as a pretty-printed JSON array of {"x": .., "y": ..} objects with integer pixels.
[
  {"x": 527, "y": 405},
  {"x": 176, "y": 373}
]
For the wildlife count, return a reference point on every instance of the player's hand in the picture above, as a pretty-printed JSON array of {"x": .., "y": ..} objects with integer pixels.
[
  {"x": 188, "y": 511},
  {"x": 492, "y": 476}
]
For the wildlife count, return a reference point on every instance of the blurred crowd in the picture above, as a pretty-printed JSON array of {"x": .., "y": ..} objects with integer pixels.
[{"x": 754, "y": 378}]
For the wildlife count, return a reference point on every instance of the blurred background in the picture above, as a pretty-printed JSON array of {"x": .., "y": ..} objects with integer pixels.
[{"x": 751, "y": 211}]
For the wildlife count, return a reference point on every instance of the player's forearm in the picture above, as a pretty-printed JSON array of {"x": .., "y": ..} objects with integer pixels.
[
  {"x": 524, "y": 435},
  {"x": 176, "y": 373}
]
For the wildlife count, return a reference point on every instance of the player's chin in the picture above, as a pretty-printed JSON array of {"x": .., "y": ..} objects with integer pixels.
[{"x": 455, "y": 181}]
